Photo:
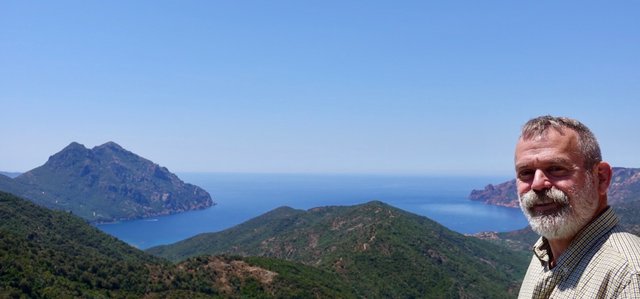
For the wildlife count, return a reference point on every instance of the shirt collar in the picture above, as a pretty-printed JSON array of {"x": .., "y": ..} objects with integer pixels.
[{"x": 602, "y": 224}]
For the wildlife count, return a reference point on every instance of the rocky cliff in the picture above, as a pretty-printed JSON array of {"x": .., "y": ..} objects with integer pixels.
[
  {"x": 106, "y": 183},
  {"x": 503, "y": 194},
  {"x": 625, "y": 187}
]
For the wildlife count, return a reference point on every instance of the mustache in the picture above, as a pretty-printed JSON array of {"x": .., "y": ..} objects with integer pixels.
[{"x": 532, "y": 197}]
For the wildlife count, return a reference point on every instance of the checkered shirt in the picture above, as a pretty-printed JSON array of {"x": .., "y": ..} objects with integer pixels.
[{"x": 602, "y": 261}]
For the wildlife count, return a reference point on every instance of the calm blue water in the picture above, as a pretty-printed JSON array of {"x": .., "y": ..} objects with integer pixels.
[{"x": 240, "y": 197}]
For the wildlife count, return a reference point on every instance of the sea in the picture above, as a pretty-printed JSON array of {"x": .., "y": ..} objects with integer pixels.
[{"x": 240, "y": 197}]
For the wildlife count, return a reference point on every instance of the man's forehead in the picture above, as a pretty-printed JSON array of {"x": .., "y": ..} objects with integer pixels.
[
  {"x": 553, "y": 147},
  {"x": 542, "y": 160}
]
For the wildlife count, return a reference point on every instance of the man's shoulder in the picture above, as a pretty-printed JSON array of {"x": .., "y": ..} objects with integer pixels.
[{"x": 625, "y": 246}]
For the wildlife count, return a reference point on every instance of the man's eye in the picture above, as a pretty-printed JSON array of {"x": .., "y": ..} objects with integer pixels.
[
  {"x": 557, "y": 171},
  {"x": 525, "y": 175}
]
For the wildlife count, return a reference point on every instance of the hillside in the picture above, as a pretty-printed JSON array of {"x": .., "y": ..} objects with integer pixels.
[
  {"x": 625, "y": 187},
  {"x": 106, "y": 183},
  {"x": 53, "y": 254},
  {"x": 10, "y": 174},
  {"x": 45, "y": 252},
  {"x": 380, "y": 250}
]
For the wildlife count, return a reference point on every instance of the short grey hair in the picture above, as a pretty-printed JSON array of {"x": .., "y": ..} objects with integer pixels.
[{"x": 587, "y": 142}]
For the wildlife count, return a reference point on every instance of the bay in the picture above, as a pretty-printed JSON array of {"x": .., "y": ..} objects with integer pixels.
[{"x": 240, "y": 197}]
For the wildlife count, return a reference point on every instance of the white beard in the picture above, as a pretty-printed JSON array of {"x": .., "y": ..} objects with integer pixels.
[{"x": 570, "y": 219}]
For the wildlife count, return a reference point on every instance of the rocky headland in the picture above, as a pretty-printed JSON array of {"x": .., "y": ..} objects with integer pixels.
[
  {"x": 106, "y": 183},
  {"x": 625, "y": 187}
]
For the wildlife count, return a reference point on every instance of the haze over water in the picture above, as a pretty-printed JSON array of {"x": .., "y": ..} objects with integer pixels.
[{"x": 240, "y": 197}]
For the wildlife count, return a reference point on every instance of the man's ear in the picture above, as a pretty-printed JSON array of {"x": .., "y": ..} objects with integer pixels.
[{"x": 604, "y": 177}]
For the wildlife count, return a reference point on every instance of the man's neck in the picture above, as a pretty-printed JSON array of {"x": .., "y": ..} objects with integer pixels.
[{"x": 558, "y": 247}]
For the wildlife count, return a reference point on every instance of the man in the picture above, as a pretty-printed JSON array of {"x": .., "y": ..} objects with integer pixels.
[{"x": 562, "y": 185}]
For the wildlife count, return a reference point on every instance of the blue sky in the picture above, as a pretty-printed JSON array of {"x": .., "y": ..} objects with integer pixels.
[{"x": 410, "y": 87}]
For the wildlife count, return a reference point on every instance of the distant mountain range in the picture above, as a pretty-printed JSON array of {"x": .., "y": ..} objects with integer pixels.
[
  {"x": 53, "y": 254},
  {"x": 625, "y": 187},
  {"x": 106, "y": 183},
  {"x": 382, "y": 251}
]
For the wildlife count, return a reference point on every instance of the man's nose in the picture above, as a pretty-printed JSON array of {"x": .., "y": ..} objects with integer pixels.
[{"x": 540, "y": 181}]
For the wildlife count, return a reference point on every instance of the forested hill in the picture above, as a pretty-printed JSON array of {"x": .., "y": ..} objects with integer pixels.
[
  {"x": 382, "y": 251},
  {"x": 106, "y": 183},
  {"x": 49, "y": 254}
]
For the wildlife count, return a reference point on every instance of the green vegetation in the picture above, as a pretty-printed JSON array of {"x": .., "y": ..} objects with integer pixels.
[
  {"x": 46, "y": 254},
  {"x": 380, "y": 250},
  {"x": 371, "y": 251},
  {"x": 292, "y": 280}
]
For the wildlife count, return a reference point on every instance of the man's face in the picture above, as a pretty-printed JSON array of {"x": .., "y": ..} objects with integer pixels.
[{"x": 557, "y": 195}]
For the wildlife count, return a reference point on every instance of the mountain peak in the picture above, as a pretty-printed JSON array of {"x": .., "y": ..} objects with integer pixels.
[
  {"x": 74, "y": 146},
  {"x": 109, "y": 183},
  {"x": 71, "y": 153},
  {"x": 109, "y": 145}
]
